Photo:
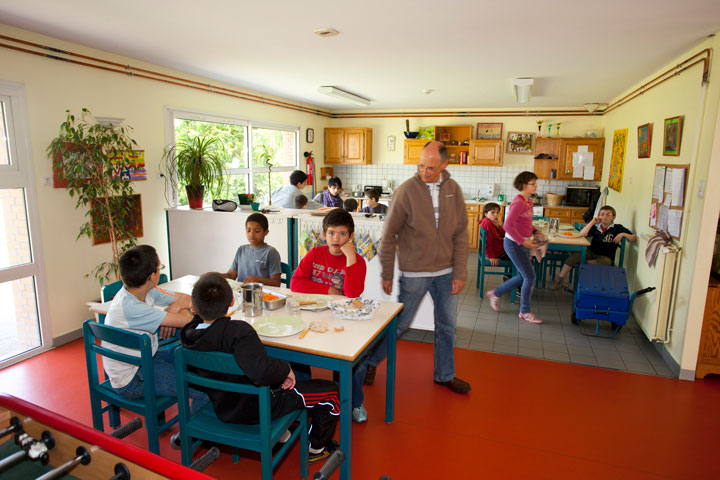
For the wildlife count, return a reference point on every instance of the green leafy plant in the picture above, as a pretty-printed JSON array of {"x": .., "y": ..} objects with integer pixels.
[
  {"x": 198, "y": 164},
  {"x": 86, "y": 155},
  {"x": 265, "y": 155}
]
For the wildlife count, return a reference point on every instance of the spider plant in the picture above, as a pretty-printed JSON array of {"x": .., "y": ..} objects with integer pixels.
[{"x": 199, "y": 165}]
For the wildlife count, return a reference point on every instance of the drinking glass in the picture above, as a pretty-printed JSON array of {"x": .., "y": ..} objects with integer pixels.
[{"x": 293, "y": 307}]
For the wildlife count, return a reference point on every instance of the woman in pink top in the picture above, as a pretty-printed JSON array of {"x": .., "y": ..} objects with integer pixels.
[{"x": 518, "y": 243}]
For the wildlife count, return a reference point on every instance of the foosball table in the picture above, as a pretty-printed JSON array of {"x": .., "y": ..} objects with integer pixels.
[{"x": 36, "y": 444}]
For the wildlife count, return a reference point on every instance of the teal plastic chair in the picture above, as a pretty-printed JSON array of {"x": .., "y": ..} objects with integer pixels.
[
  {"x": 205, "y": 426},
  {"x": 150, "y": 406},
  {"x": 287, "y": 274},
  {"x": 508, "y": 268}
]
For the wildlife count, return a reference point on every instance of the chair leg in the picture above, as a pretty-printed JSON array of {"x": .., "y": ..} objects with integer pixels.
[
  {"x": 266, "y": 463},
  {"x": 304, "y": 441},
  {"x": 114, "y": 416},
  {"x": 481, "y": 279},
  {"x": 153, "y": 432},
  {"x": 97, "y": 414},
  {"x": 479, "y": 274}
]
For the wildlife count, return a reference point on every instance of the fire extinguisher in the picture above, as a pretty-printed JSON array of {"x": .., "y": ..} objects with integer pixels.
[{"x": 310, "y": 167}]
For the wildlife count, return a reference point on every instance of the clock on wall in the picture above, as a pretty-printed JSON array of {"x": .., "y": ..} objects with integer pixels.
[{"x": 310, "y": 135}]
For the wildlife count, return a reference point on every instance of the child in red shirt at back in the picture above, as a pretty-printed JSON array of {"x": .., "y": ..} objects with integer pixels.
[{"x": 494, "y": 250}]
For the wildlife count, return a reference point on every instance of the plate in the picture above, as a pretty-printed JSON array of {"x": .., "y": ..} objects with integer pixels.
[
  {"x": 566, "y": 226},
  {"x": 322, "y": 301},
  {"x": 279, "y": 326},
  {"x": 234, "y": 284},
  {"x": 568, "y": 235},
  {"x": 345, "y": 309}
]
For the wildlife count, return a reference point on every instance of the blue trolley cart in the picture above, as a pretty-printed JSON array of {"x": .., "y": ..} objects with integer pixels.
[{"x": 602, "y": 294}]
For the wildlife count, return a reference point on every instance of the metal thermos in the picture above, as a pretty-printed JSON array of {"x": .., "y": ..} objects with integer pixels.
[
  {"x": 252, "y": 299},
  {"x": 553, "y": 225}
]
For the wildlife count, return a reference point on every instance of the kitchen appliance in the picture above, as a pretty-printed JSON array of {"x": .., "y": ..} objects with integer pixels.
[
  {"x": 581, "y": 196},
  {"x": 553, "y": 225},
  {"x": 376, "y": 187}
]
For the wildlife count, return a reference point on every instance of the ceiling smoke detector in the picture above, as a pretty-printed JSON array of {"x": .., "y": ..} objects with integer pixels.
[{"x": 326, "y": 32}]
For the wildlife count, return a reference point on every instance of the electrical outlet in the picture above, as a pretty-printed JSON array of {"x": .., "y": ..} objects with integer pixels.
[
  {"x": 497, "y": 179},
  {"x": 701, "y": 189},
  {"x": 47, "y": 181}
]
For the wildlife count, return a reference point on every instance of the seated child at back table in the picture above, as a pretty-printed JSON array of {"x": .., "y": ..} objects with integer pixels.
[
  {"x": 371, "y": 198},
  {"x": 212, "y": 331},
  {"x": 336, "y": 269},
  {"x": 605, "y": 237},
  {"x": 494, "y": 234},
  {"x": 258, "y": 261},
  {"x": 301, "y": 202},
  {"x": 350, "y": 205}
]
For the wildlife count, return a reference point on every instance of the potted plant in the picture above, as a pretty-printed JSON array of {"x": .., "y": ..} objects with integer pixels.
[
  {"x": 88, "y": 156},
  {"x": 199, "y": 165},
  {"x": 265, "y": 155}
]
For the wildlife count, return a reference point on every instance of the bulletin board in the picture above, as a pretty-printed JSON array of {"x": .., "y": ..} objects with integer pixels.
[{"x": 667, "y": 206}]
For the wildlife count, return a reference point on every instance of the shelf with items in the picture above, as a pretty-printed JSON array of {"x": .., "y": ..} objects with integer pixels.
[
  {"x": 474, "y": 152},
  {"x": 560, "y": 152}
]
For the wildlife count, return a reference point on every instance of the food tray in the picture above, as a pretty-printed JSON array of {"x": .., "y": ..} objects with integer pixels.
[
  {"x": 344, "y": 310},
  {"x": 274, "y": 304}
]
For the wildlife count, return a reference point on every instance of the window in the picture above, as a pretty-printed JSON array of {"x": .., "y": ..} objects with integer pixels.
[
  {"x": 23, "y": 317},
  {"x": 244, "y": 143}
]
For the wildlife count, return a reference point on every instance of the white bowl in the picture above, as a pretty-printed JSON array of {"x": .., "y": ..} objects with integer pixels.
[{"x": 344, "y": 310}]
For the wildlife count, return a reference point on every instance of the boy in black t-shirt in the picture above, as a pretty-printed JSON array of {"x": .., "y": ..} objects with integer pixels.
[{"x": 605, "y": 237}]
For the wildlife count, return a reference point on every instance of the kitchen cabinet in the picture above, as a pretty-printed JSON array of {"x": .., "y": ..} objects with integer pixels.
[
  {"x": 709, "y": 352},
  {"x": 413, "y": 147},
  {"x": 560, "y": 151},
  {"x": 456, "y": 139},
  {"x": 352, "y": 146},
  {"x": 486, "y": 152},
  {"x": 569, "y": 215}
]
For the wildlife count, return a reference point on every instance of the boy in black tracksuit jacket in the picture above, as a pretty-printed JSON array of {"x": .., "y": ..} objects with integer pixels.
[{"x": 211, "y": 298}]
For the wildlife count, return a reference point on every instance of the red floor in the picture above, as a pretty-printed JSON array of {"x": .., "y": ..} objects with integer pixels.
[{"x": 524, "y": 418}]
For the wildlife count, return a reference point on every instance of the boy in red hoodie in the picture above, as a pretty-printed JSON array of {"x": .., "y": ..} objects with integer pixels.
[{"x": 336, "y": 269}]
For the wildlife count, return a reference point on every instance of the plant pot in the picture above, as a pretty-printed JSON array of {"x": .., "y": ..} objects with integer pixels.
[{"x": 195, "y": 196}]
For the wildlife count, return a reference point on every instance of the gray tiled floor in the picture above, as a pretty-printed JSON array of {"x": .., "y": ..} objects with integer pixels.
[{"x": 557, "y": 339}]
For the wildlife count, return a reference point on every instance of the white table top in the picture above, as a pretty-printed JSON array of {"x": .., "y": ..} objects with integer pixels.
[{"x": 345, "y": 345}]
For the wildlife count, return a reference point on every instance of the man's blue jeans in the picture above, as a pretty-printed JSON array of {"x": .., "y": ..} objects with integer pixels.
[
  {"x": 520, "y": 257},
  {"x": 412, "y": 292},
  {"x": 165, "y": 383}
]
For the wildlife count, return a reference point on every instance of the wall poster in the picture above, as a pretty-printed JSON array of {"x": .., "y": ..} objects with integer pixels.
[{"x": 617, "y": 160}]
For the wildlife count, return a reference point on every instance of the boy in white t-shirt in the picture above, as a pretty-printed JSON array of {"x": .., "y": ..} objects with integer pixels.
[{"x": 133, "y": 309}]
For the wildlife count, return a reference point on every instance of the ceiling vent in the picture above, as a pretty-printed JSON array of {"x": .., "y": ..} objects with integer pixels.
[{"x": 327, "y": 32}]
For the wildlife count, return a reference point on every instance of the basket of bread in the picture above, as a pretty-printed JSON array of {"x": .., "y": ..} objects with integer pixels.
[{"x": 354, "y": 309}]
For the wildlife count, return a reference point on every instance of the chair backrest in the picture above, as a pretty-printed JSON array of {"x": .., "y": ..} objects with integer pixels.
[
  {"x": 141, "y": 342},
  {"x": 483, "y": 242},
  {"x": 108, "y": 292},
  {"x": 622, "y": 252},
  {"x": 287, "y": 273},
  {"x": 216, "y": 362}
]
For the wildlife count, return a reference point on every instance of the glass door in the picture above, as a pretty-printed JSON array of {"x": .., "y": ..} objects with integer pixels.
[{"x": 23, "y": 315}]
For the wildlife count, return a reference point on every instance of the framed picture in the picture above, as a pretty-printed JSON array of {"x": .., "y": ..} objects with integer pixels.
[
  {"x": 673, "y": 135},
  {"x": 644, "y": 140},
  {"x": 309, "y": 135},
  {"x": 521, "y": 142},
  {"x": 489, "y": 131}
]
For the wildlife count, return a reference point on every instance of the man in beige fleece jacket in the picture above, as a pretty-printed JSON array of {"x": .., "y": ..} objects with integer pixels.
[{"x": 427, "y": 223}]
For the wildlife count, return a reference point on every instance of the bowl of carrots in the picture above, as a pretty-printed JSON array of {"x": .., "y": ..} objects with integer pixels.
[{"x": 273, "y": 300}]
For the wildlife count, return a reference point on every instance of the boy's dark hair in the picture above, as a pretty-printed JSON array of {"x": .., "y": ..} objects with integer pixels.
[
  {"x": 335, "y": 182},
  {"x": 523, "y": 179},
  {"x": 372, "y": 193},
  {"x": 211, "y": 296},
  {"x": 350, "y": 205},
  {"x": 136, "y": 265},
  {"x": 338, "y": 218},
  {"x": 609, "y": 209},
  {"x": 300, "y": 201},
  {"x": 489, "y": 207},
  {"x": 258, "y": 218},
  {"x": 298, "y": 176}
]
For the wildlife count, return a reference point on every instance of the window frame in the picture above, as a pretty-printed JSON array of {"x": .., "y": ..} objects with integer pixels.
[{"x": 172, "y": 113}]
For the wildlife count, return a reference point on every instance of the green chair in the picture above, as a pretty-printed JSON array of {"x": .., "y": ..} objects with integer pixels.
[
  {"x": 205, "y": 426},
  {"x": 150, "y": 406},
  {"x": 287, "y": 274},
  {"x": 508, "y": 268}
]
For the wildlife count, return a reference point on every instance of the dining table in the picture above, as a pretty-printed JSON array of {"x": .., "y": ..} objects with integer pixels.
[
  {"x": 339, "y": 349},
  {"x": 566, "y": 239}
]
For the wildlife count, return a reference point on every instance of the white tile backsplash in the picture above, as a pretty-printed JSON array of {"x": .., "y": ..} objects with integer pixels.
[{"x": 471, "y": 179}]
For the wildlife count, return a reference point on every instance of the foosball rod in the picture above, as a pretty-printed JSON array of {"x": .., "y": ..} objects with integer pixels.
[
  {"x": 127, "y": 428},
  {"x": 83, "y": 457},
  {"x": 15, "y": 427},
  {"x": 31, "y": 449}
]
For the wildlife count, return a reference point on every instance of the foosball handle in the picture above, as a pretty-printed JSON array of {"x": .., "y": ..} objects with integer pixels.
[
  {"x": 121, "y": 472},
  {"x": 332, "y": 463},
  {"x": 15, "y": 427},
  {"x": 83, "y": 457},
  {"x": 204, "y": 461},
  {"x": 127, "y": 428}
]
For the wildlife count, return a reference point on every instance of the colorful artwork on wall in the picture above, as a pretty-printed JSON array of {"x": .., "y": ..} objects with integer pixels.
[
  {"x": 673, "y": 135},
  {"x": 617, "y": 160},
  {"x": 644, "y": 140}
]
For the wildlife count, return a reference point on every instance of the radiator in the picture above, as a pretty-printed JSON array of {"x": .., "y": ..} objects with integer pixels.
[{"x": 660, "y": 323}]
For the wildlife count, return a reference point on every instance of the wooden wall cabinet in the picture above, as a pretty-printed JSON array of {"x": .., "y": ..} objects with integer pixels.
[
  {"x": 561, "y": 151},
  {"x": 413, "y": 147},
  {"x": 709, "y": 352},
  {"x": 486, "y": 152},
  {"x": 352, "y": 146}
]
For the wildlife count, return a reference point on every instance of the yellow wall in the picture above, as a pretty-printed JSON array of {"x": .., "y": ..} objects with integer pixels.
[
  {"x": 682, "y": 95},
  {"x": 51, "y": 87}
]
